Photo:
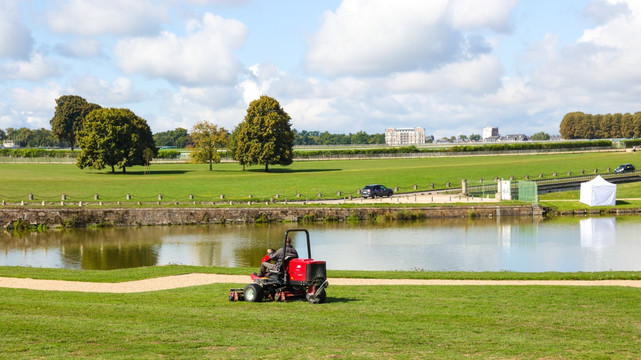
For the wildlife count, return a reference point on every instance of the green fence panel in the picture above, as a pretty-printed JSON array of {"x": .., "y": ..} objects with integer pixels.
[{"x": 528, "y": 192}]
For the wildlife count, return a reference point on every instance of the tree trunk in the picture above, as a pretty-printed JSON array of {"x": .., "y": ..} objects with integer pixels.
[
  {"x": 266, "y": 167},
  {"x": 124, "y": 169},
  {"x": 113, "y": 170},
  {"x": 210, "y": 162}
]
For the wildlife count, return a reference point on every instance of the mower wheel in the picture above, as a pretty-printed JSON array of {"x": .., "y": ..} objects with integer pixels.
[
  {"x": 320, "y": 299},
  {"x": 254, "y": 293}
]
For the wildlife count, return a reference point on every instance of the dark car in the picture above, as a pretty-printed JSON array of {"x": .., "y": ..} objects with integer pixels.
[
  {"x": 373, "y": 191},
  {"x": 624, "y": 169}
]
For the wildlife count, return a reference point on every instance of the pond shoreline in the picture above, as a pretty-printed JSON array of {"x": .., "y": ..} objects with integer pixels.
[
  {"x": 75, "y": 217},
  {"x": 79, "y": 217}
]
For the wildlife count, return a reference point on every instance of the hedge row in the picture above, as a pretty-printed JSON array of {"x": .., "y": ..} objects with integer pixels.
[
  {"x": 631, "y": 143},
  {"x": 174, "y": 154},
  {"x": 168, "y": 154},
  {"x": 532, "y": 146},
  {"x": 395, "y": 150},
  {"x": 38, "y": 153}
]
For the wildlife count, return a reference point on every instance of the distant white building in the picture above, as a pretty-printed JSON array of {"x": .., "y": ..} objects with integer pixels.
[
  {"x": 489, "y": 132},
  {"x": 9, "y": 144},
  {"x": 515, "y": 137},
  {"x": 405, "y": 136}
]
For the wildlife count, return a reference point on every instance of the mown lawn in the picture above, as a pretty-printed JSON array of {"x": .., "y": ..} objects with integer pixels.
[
  {"x": 177, "y": 181},
  {"x": 358, "y": 322}
]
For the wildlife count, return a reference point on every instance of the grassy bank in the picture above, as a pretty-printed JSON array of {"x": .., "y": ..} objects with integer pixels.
[
  {"x": 628, "y": 195},
  {"x": 140, "y": 273},
  {"x": 177, "y": 181},
  {"x": 401, "y": 322}
]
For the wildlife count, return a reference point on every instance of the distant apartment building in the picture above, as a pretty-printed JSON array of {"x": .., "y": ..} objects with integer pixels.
[
  {"x": 490, "y": 133},
  {"x": 405, "y": 136}
]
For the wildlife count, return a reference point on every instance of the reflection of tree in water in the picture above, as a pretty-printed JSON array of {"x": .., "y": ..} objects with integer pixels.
[
  {"x": 230, "y": 245},
  {"x": 109, "y": 257},
  {"x": 107, "y": 249}
]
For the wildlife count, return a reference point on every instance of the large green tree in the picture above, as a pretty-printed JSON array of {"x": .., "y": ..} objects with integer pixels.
[
  {"x": 67, "y": 120},
  {"x": 207, "y": 140},
  {"x": 114, "y": 137},
  {"x": 265, "y": 136}
]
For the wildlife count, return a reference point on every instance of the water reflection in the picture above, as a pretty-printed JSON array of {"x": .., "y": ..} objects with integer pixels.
[{"x": 588, "y": 244}]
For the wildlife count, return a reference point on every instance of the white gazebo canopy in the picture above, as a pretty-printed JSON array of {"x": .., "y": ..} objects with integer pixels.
[{"x": 598, "y": 192}]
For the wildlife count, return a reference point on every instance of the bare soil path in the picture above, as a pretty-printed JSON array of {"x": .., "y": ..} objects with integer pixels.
[{"x": 179, "y": 281}]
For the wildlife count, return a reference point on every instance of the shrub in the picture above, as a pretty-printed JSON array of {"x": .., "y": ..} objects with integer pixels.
[{"x": 168, "y": 154}]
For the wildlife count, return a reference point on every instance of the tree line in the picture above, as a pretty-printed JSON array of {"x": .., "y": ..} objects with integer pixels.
[
  {"x": 181, "y": 138},
  {"x": 112, "y": 137},
  {"x": 577, "y": 125},
  {"x": 31, "y": 138}
]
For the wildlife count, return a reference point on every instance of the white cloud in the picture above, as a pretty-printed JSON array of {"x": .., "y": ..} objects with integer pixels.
[
  {"x": 204, "y": 56},
  {"x": 219, "y": 105},
  {"x": 474, "y": 14},
  {"x": 602, "y": 63},
  {"x": 15, "y": 38},
  {"x": 480, "y": 75},
  {"x": 259, "y": 81},
  {"x": 379, "y": 37},
  {"x": 603, "y": 11},
  {"x": 374, "y": 37},
  {"x": 214, "y": 2},
  {"x": 80, "y": 48},
  {"x": 99, "y": 17},
  {"x": 37, "y": 68},
  {"x": 34, "y": 107},
  {"x": 107, "y": 94}
]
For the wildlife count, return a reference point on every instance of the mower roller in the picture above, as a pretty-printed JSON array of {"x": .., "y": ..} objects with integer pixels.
[{"x": 293, "y": 279}]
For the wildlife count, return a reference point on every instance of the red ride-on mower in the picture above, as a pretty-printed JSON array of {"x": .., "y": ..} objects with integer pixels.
[{"x": 292, "y": 279}]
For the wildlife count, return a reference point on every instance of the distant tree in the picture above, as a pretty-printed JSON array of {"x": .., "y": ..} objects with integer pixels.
[
  {"x": 67, "y": 120},
  {"x": 265, "y": 136},
  {"x": 360, "y": 137},
  {"x": 570, "y": 125},
  {"x": 463, "y": 137},
  {"x": 326, "y": 138},
  {"x": 42, "y": 138},
  {"x": 377, "y": 139},
  {"x": 3, "y": 135},
  {"x": 636, "y": 124},
  {"x": 178, "y": 137},
  {"x": 475, "y": 137},
  {"x": 540, "y": 136},
  {"x": 21, "y": 136},
  {"x": 627, "y": 126},
  {"x": 114, "y": 137},
  {"x": 234, "y": 147},
  {"x": 207, "y": 140}
]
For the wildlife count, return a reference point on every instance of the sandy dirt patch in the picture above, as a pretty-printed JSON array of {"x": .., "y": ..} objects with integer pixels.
[{"x": 179, "y": 281}]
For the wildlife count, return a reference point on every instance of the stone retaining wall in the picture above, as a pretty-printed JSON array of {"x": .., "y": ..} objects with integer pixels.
[{"x": 81, "y": 217}]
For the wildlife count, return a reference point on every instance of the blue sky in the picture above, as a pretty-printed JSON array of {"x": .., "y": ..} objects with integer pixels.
[{"x": 449, "y": 66}]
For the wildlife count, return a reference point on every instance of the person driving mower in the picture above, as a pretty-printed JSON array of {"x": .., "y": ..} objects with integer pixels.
[{"x": 266, "y": 266}]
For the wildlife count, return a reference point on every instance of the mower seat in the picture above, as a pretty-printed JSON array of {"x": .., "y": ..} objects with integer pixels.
[{"x": 281, "y": 266}]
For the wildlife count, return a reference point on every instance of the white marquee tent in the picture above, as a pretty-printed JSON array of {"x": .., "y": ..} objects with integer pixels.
[{"x": 598, "y": 192}]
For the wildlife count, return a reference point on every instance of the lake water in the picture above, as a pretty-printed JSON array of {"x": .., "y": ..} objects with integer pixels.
[{"x": 506, "y": 244}]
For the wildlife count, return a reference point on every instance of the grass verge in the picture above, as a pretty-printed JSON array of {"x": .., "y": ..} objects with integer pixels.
[
  {"x": 176, "y": 182},
  {"x": 140, "y": 273},
  {"x": 360, "y": 322}
]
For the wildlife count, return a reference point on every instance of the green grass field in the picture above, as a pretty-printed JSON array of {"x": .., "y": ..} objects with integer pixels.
[
  {"x": 177, "y": 181},
  {"x": 357, "y": 322}
]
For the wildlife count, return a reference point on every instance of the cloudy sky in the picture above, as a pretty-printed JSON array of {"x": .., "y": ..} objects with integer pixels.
[{"x": 451, "y": 67}]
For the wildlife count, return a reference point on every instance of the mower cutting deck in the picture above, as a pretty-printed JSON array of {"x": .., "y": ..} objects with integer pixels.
[{"x": 292, "y": 279}]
